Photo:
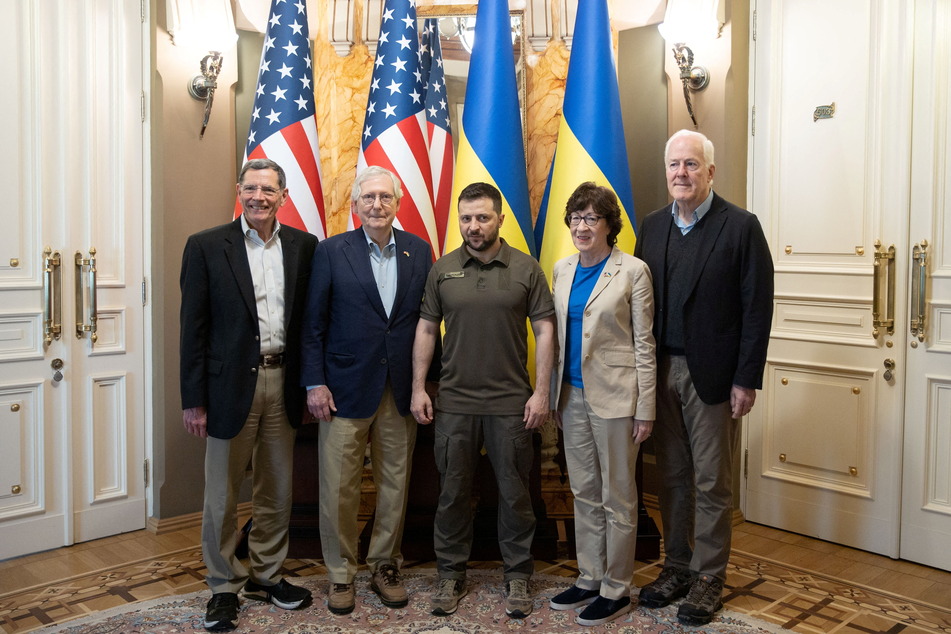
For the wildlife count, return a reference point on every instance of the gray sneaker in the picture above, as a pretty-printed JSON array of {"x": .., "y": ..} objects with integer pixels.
[
  {"x": 702, "y": 601},
  {"x": 518, "y": 603},
  {"x": 445, "y": 599}
]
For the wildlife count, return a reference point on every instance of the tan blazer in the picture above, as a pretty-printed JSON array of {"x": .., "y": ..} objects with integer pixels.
[{"x": 618, "y": 358}]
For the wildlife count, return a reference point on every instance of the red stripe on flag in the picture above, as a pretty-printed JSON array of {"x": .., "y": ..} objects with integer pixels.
[
  {"x": 418, "y": 145},
  {"x": 442, "y": 161},
  {"x": 299, "y": 144}
]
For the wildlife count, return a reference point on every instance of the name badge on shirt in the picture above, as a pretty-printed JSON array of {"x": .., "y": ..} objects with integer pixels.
[{"x": 453, "y": 275}]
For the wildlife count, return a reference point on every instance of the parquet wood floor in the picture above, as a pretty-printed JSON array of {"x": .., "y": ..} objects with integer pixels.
[{"x": 803, "y": 584}]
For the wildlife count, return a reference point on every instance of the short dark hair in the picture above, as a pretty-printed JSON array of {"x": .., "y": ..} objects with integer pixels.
[
  {"x": 474, "y": 191},
  {"x": 264, "y": 164},
  {"x": 604, "y": 203}
]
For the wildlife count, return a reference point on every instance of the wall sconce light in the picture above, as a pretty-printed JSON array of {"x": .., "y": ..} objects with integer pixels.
[
  {"x": 690, "y": 21},
  {"x": 202, "y": 87},
  {"x": 197, "y": 26},
  {"x": 694, "y": 78}
]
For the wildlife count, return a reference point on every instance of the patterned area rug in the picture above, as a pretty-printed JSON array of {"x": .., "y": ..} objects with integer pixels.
[{"x": 481, "y": 611}]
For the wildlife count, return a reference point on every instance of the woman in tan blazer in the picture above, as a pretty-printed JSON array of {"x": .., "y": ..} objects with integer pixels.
[{"x": 603, "y": 397}]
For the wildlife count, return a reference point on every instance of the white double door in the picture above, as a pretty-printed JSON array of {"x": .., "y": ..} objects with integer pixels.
[
  {"x": 72, "y": 350},
  {"x": 850, "y": 172}
]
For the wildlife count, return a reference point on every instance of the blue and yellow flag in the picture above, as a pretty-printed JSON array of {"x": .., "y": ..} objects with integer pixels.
[
  {"x": 590, "y": 139},
  {"x": 490, "y": 142}
]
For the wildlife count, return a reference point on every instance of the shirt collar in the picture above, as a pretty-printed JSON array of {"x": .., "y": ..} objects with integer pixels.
[
  {"x": 252, "y": 233},
  {"x": 698, "y": 213},
  {"x": 502, "y": 257},
  {"x": 373, "y": 244}
]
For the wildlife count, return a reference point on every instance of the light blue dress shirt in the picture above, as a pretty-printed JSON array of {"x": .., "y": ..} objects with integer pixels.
[
  {"x": 698, "y": 213},
  {"x": 383, "y": 263}
]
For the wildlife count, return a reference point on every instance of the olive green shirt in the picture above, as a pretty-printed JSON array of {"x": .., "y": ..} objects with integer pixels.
[{"x": 485, "y": 307}]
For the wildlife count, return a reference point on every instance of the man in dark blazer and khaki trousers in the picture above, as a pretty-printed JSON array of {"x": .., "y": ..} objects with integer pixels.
[
  {"x": 713, "y": 297},
  {"x": 362, "y": 309},
  {"x": 243, "y": 290}
]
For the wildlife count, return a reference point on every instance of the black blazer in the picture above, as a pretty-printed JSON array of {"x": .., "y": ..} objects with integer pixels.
[
  {"x": 220, "y": 340},
  {"x": 729, "y": 308},
  {"x": 349, "y": 344}
]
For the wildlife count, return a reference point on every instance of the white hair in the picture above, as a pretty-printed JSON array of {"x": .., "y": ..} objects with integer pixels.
[{"x": 707, "y": 144}]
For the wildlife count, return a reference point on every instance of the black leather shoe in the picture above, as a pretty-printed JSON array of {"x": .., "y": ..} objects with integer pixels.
[
  {"x": 604, "y": 610},
  {"x": 222, "y": 612}
]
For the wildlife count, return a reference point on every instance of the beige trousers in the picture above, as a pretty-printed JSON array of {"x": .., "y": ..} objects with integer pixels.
[
  {"x": 343, "y": 443},
  {"x": 267, "y": 442},
  {"x": 601, "y": 455}
]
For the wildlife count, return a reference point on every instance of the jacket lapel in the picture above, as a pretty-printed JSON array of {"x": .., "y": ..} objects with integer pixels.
[
  {"x": 237, "y": 255},
  {"x": 714, "y": 222},
  {"x": 610, "y": 271},
  {"x": 355, "y": 250},
  {"x": 563, "y": 283},
  {"x": 290, "y": 249},
  {"x": 404, "y": 270}
]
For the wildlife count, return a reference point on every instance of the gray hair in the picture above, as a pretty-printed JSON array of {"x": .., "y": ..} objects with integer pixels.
[
  {"x": 707, "y": 144},
  {"x": 264, "y": 164},
  {"x": 372, "y": 172}
]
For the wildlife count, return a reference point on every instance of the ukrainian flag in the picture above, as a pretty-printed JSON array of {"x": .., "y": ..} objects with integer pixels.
[
  {"x": 590, "y": 139},
  {"x": 490, "y": 142}
]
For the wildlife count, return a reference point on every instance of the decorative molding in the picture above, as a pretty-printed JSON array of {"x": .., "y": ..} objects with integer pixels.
[
  {"x": 938, "y": 464},
  {"x": 823, "y": 321},
  {"x": 107, "y": 439},
  {"x": 111, "y": 332},
  {"x": 21, "y": 336},
  {"x": 842, "y": 462},
  {"x": 21, "y": 423},
  {"x": 939, "y": 324}
]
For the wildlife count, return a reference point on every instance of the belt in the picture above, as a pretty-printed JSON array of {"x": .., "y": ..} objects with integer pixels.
[{"x": 271, "y": 360}]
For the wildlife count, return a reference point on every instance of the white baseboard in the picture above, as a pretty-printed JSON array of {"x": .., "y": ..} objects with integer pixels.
[{"x": 161, "y": 526}]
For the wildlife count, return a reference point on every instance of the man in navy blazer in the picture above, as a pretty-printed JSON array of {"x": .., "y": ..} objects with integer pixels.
[
  {"x": 362, "y": 309},
  {"x": 713, "y": 298},
  {"x": 243, "y": 286}
]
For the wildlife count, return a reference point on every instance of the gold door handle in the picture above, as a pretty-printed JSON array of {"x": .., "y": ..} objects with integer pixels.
[
  {"x": 52, "y": 295},
  {"x": 86, "y": 268},
  {"x": 883, "y": 290},
  {"x": 919, "y": 278}
]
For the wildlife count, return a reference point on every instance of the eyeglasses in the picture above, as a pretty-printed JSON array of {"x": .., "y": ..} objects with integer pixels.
[
  {"x": 385, "y": 199},
  {"x": 590, "y": 220},
  {"x": 265, "y": 189}
]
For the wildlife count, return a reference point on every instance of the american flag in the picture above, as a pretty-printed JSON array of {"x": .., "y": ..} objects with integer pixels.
[
  {"x": 437, "y": 118},
  {"x": 394, "y": 130},
  {"x": 283, "y": 127}
]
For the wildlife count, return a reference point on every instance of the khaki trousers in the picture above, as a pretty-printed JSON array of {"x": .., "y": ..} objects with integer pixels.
[
  {"x": 343, "y": 443},
  {"x": 601, "y": 456},
  {"x": 267, "y": 442}
]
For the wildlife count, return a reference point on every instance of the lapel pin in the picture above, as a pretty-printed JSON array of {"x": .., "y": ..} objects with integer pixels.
[{"x": 406, "y": 253}]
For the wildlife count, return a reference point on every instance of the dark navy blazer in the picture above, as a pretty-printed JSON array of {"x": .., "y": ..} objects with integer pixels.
[{"x": 348, "y": 342}]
